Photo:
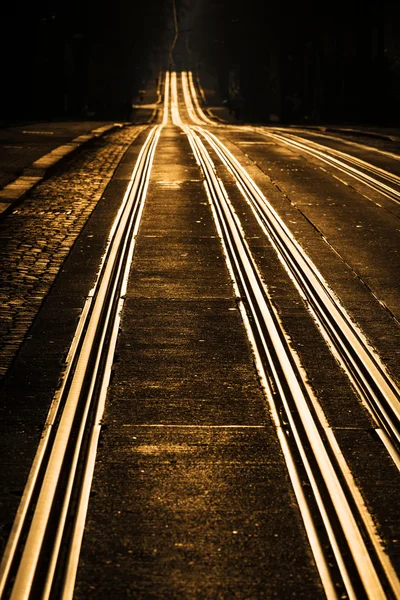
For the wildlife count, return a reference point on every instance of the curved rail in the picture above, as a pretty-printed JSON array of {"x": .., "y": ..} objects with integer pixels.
[
  {"x": 359, "y": 169},
  {"x": 196, "y": 113},
  {"x": 43, "y": 549}
]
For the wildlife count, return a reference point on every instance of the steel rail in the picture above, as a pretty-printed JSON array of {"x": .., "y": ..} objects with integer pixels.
[
  {"x": 42, "y": 553},
  {"x": 347, "y": 157},
  {"x": 340, "y": 160},
  {"x": 308, "y": 452},
  {"x": 368, "y": 374}
]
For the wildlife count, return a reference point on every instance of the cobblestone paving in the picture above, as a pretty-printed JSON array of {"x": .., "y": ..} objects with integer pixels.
[{"x": 36, "y": 238}]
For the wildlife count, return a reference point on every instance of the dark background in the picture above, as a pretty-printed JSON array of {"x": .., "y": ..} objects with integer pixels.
[
  {"x": 78, "y": 58},
  {"x": 306, "y": 61},
  {"x": 285, "y": 61}
]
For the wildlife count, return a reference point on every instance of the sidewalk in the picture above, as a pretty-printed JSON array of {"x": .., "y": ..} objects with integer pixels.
[{"x": 29, "y": 151}]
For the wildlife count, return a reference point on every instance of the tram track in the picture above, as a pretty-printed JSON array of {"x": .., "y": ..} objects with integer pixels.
[
  {"x": 42, "y": 554},
  {"x": 376, "y": 178},
  {"x": 41, "y": 557},
  {"x": 377, "y": 390},
  {"x": 324, "y": 134},
  {"x": 311, "y": 451}
]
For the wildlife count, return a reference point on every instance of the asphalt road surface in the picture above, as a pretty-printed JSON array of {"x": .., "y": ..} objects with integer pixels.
[{"x": 200, "y": 362}]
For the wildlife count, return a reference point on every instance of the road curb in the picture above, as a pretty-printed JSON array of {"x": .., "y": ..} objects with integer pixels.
[{"x": 14, "y": 192}]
